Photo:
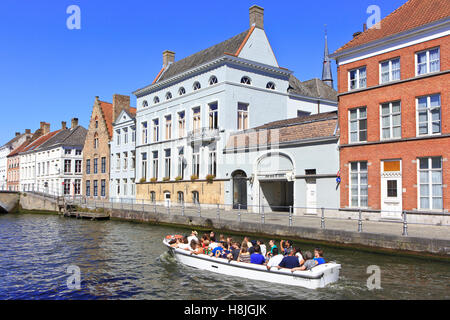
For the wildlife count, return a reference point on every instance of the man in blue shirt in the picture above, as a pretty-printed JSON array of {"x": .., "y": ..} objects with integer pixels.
[
  {"x": 217, "y": 251},
  {"x": 257, "y": 257},
  {"x": 290, "y": 261}
]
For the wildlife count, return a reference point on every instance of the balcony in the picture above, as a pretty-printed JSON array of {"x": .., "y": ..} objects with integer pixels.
[{"x": 202, "y": 135}]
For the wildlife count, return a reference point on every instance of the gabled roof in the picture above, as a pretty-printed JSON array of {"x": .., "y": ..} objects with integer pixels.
[
  {"x": 107, "y": 110},
  {"x": 20, "y": 148},
  {"x": 230, "y": 46},
  {"x": 131, "y": 113},
  {"x": 39, "y": 141},
  {"x": 412, "y": 14},
  {"x": 67, "y": 137},
  {"x": 314, "y": 88},
  {"x": 321, "y": 125}
]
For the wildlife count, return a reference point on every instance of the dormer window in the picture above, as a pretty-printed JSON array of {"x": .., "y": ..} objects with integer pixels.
[
  {"x": 212, "y": 80},
  {"x": 196, "y": 85},
  {"x": 168, "y": 95},
  {"x": 181, "y": 91},
  {"x": 270, "y": 85},
  {"x": 145, "y": 103},
  {"x": 156, "y": 100},
  {"x": 246, "y": 80}
]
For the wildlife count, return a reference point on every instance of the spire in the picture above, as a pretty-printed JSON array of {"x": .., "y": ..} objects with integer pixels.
[{"x": 327, "y": 76}]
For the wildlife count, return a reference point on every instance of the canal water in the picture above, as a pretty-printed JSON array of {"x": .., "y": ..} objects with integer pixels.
[{"x": 124, "y": 260}]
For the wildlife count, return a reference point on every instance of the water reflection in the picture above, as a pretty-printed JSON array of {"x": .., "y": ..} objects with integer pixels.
[{"x": 120, "y": 260}]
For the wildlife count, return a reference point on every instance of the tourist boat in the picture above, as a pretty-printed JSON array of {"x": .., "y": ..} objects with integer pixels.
[{"x": 317, "y": 277}]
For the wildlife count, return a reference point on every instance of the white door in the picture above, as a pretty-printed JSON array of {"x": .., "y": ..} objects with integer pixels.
[
  {"x": 311, "y": 196},
  {"x": 167, "y": 199},
  {"x": 391, "y": 190}
]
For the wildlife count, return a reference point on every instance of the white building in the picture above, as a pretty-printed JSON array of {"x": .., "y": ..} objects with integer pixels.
[
  {"x": 123, "y": 157},
  {"x": 185, "y": 116},
  {"x": 53, "y": 163},
  {"x": 5, "y": 150}
]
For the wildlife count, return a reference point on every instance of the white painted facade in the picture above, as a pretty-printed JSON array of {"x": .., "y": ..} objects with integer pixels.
[
  {"x": 4, "y": 151},
  {"x": 123, "y": 159}
]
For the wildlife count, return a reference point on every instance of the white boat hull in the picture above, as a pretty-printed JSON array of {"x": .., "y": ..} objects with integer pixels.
[{"x": 318, "y": 277}]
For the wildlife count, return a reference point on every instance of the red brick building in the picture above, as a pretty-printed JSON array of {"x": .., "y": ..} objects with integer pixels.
[{"x": 394, "y": 113}]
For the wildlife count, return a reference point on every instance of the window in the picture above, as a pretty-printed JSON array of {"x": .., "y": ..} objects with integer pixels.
[
  {"x": 213, "y": 116},
  {"x": 125, "y": 135},
  {"x": 427, "y": 61},
  {"x": 67, "y": 166},
  {"x": 168, "y": 95},
  {"x": 196, "y": 164},
  {"x": 212, "y": 163},
  {"x": 155, "y": 130},
  {"x": 246, "y": 80},
  {"x": 358, "y": 124},
  {"x": 77, "y": 187},
  {"x": 144, "y": 165},
  {"x": 67, "y": 151},
  {"x": 195, "y": 197},
  {"x": 103, "y": 164},
  {"x": 392, "y": 188},
  {"x": 78, "y": 152},
  {"x": 168, "y": 127},
  {"x": 212, "y": 80},
  {"x": 196, "y": 85},
  {"x": 390, "y": 70},
  {"x": 95, "y": 141},
  {"x": 358, "y": 184},
  {"x": 77, "y": 166},
  {"x": 430, "y": 183},
  {"x": 118, "y": 137},
  {"x": 357, "y": 78},
  {"x": 167, "y": 163},
  {"x": 103, "y": 188},
  {"x": 133, "y": 187},
  {"x": 270, "y": 85},
  {"x": 95, "y": 166},
  {"x": 181, "y": 91},
  {"x": 152, "y": 196},
  {"x": 156, "y": 100},
  {"x": 181, "y": 163},
  {"x": 118, "y": 186},
  {"x": 429, "y": 115},
  {"x": 95, "y": 188},
  {"x": 88, "y": 188},
  {"x": 242, "y": 117},
  {"x": 301, "y": 113},
  {"x": 181, "y": 124},
  {"x": 196, "y": 119},
  {"x": 125, "y": 191},
  {"x": 88, "y": 166},
  {"x": 180, "y": 196},
  {"x": 133, "y": 160},
  {"x": 144, "y": 103},
  {"x": 391, "y": 123},
  {"x": 96, "y": 124},
  {"x": 144, "y": 132},
  {"x": 133, "y": 134},
  {"x": 66, "y": 186},
  {"x": 117, "y": 161},
  {"x": 125, "y": 160},
  {"x": 155, "y": 164}
]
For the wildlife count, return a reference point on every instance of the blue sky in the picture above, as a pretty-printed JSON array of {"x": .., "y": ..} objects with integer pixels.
[{"x": 50, "y": 73}]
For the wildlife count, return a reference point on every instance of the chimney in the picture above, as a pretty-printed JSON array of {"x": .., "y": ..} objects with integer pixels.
[
  {"x": 74, "y": 123},
  {"x": 63, "y": 125},
  {"x": 364, "y": 27},
  {"x": 17, "y": 134},
  {"x": 168, "y": 57},
  {"x": 256, "y": 16},
  {"x": 45, "y": 128},
  {"x": 120, "y": 102},
  {"x": 28, "y": 131}
]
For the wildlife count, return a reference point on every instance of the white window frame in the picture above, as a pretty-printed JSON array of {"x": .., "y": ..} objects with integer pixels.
[
  {"x": 167, "y": 163},
  {"x": 155, "y": 130},
  {"x": 358, "y": 71},
  {"x": 155, "y": 164},
  {"x": 391, "y": 124},
  {"x": 168, "y": 126},
  {"x": 430, "y": 170},
  {"x": 240, "y": 117},
  {"x": 358, "y": 172},
  {"x": 358, "y": 119},
  {"x": 390, "y": 70},
  {"x": 429, "y": 116},
  {"x": 181, "y": 124},
  {"x": 416, "y": 57}
]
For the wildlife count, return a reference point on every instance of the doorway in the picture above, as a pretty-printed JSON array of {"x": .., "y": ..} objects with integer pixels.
[
  {"x": 391, "y": 189},
  {"x": 239, "y": 189}
]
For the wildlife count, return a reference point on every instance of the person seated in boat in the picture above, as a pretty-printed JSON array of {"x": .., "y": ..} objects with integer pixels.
[
  {"x": 290, "y": 261},
  {"x": 213, "y": 243},
  {"x": 247, "y": 241},
  {"x": 235, "y": 250},
  {"x": 230, "y": 241},
  {"x": 206, "y": 249},
  {"x": 212, "y": 236},
  {"x": 182, "y": 243},
  {"x": 272, "y": 246},
  {"x": 275, "y": 259},
  {"x": 226, "y": 250},
  {"x": 217, "y": 251},
  {"x": 244, "y": 255},
  {"x": 263, "y": 247},
  {"x": 257, "y": 257},
  {"x": 318, "y": 256},
  {"x": 286, "y": 247},
  {"x": 193, "y": 236},
  {"x": 299, "y": 255},
  {"x": 251, "y": 249},
  {"x": 309, "y": 262},
  {"x": 222, "y": 238},
  {"x": 198, "y": 249}
]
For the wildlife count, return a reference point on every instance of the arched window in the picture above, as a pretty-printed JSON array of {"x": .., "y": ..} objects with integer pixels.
[
  {"x": 96, "y": 140},
  {"x": 212, "y": 80},
  {"x": 195, "y": 197},
  {"x": 156, "y": 100},
  {"x": 270, "y": 85},
  {"x": 196, "y": 85},
  {"x": 144, "y": 103},
  {"x": 246, "y": 80},
  {"x": 168, "y": 95},
  {"x": 180, "y": 196},
  {"x": 181, "y": 91}
]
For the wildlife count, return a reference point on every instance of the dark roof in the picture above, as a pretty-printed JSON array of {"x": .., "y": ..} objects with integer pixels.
[
  {"x": 15, "y": 139},
  {"x": 228, "y": 46},
  {"x": 411, "y": 15},
  {"x": 321, "y": 125},
  {"x": 39, "y": 141},
  {"x": 314, "y": 88},
  {"x": 67, "y": 137}
]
